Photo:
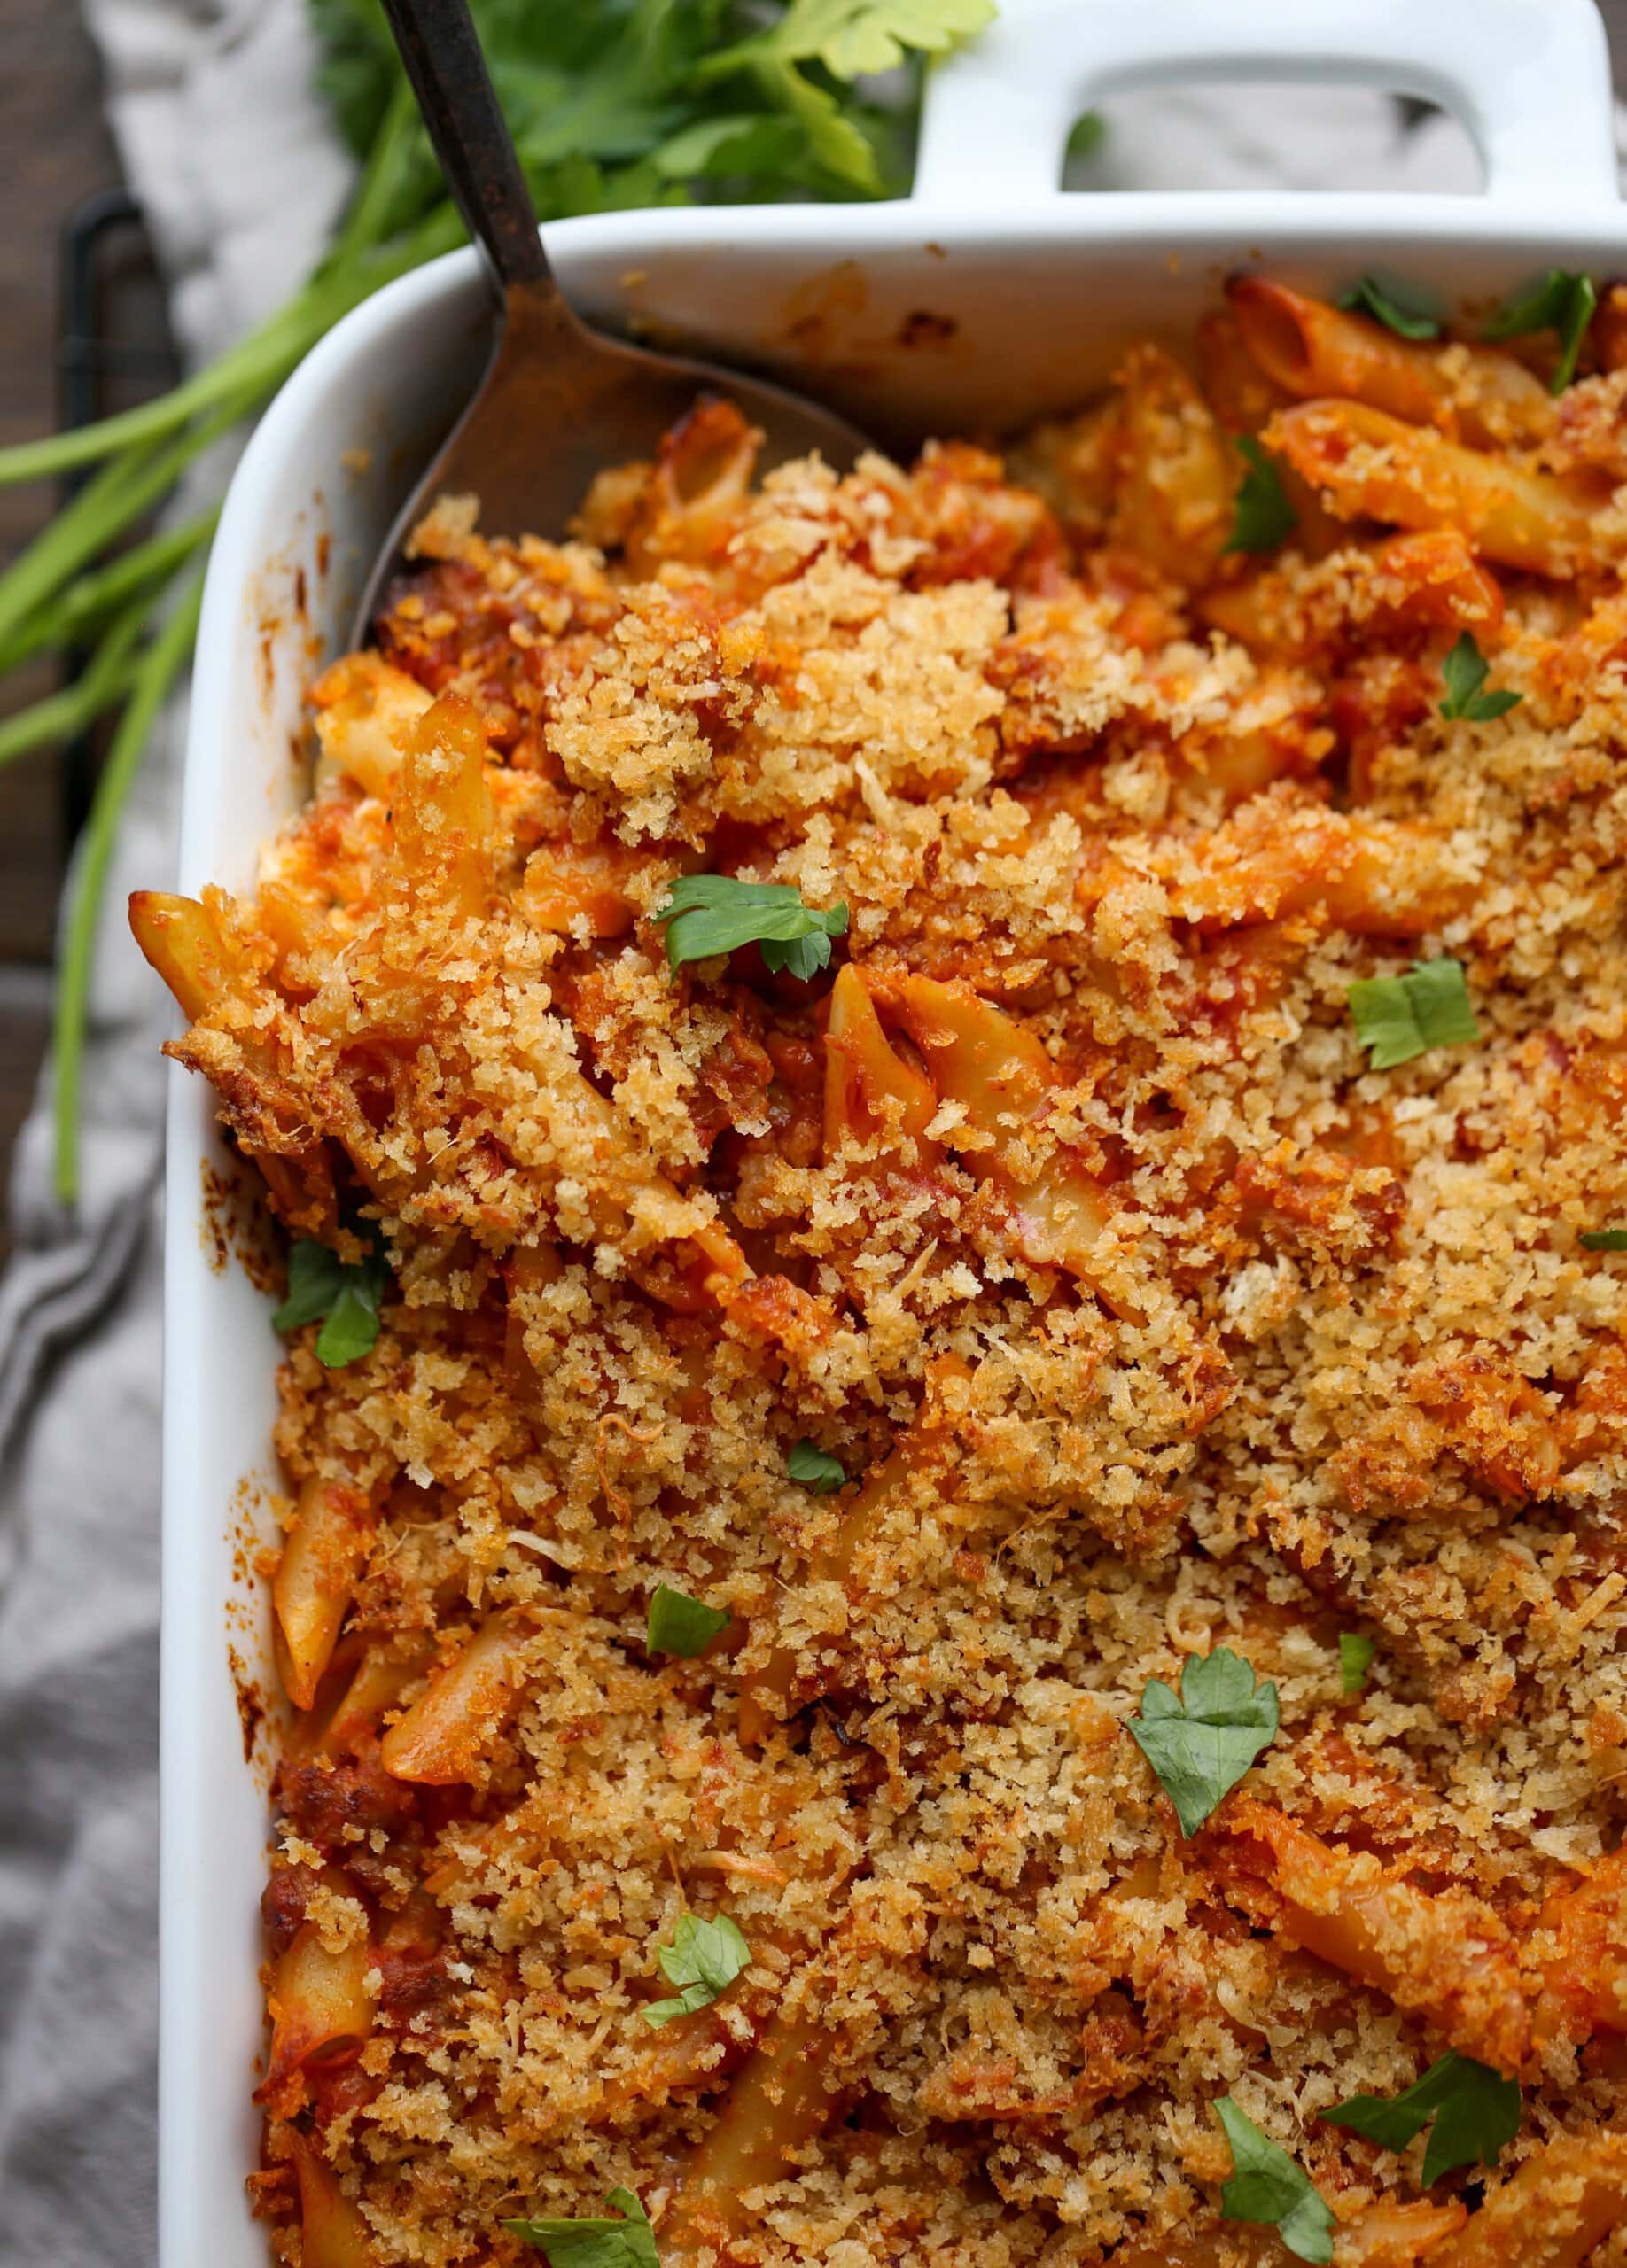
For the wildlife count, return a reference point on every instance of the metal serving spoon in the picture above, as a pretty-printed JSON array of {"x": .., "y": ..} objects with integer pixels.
[{"x": 558, "y": 402}]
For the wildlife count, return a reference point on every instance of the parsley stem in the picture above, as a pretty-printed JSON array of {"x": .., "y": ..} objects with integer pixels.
[
  {"x": 159, "y": 667},
  {"x": 120, "y": 493},
  {"x": 89, "y": 602},
  {"x": 62, "y": 714}
]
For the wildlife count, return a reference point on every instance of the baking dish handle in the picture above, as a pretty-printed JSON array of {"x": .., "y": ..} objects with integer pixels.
[{"x": 1529, "y": 79}]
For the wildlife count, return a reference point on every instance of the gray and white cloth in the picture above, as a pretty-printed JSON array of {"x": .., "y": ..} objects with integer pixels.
[{"x": 228, "y": 147}]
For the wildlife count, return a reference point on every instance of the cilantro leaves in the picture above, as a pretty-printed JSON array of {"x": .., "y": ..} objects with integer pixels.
[
  {"x": 1399, "y": 1017},
  {"x": 702, "y": 1959},
  {"x": 1267, "y": 2186},
  {"x": 1475, "y": 2110},
  {"x": 712, "y": 913},
  {"x": 1603, "y": 1239},
  {"x": 1262, "y": 516},
  {"x": 1563, "y": 302},
  {"x": 627, "y": 2243},
  {"x": 809, "y": 1464},
  {"x": 1397, "y": 307},
  {"x": 1355, "y": 1659},
  {"x": 320, "y": 1284},
  {"x": 1200, "y": 1746},
  {"x": 1463, "y": 672},
  {"x": 680, "y": 1625}
]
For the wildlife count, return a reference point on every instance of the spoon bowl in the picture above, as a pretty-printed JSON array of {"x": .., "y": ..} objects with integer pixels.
[{"x": 558, "y": 401}]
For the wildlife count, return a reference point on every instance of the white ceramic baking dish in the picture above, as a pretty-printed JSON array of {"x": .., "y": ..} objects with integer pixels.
[{"x": 1029, "y": 295}]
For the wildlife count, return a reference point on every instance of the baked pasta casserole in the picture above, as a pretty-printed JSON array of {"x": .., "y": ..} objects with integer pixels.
[{"x": 954, "y": 1588}]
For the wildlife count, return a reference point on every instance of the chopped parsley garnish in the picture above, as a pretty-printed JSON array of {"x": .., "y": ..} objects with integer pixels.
[
  {"x": 708, "y": 914},
  {"x": 702, "y": 1959},
  {"x": 1267, "y": 2186},
  {"x": 1399, "y": 1017},
  {"x": 682, "y": 1625},
  {"x": 1475, "y": 2110},
  {"x": 1561, "y": 302},
  {"x": 1355, "y": 1659},
  {"x": 1395, "y": 306},
  {"x": 1262, "y": 516},
  {"x": 347, "y": 1296},
  {"x": 809, "y": 1464},
  {"x": 627, "y": 2243},
  {"x": 1603, "y": 1239},
  {"x": 1200, "y": 1746},
  {"x": 1463, "y": 672}
]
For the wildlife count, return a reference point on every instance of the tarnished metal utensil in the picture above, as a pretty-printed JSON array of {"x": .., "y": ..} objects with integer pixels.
[{"x": 560, "y": 401}]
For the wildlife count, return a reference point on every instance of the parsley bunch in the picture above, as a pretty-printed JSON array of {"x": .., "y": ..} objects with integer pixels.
[{"x": 613, "y": 104}]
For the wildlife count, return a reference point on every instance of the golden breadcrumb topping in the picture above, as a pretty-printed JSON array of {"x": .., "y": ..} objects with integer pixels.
[{"x": 1063, "y": 1209}]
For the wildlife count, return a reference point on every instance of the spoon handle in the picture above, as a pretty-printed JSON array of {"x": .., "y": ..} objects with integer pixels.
[{"x": 441, "y": 52}]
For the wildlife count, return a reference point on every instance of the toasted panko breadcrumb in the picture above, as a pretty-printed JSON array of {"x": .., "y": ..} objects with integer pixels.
[{"x": 1183, "y": 1328}]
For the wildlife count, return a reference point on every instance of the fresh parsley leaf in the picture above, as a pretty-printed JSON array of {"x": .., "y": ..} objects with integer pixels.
[
  {"x": 702, "y": 1959},
  {"x": 627, "y": 2243},
  {"x": 680, "y": 1625},
  {"x": 1200, "y": 1746},
  {"x": 1399, "y": 1017},
  {"x": 809, "y": 1464},
  {"x": 1603, "y": 1239},
  {"x": 854, "y": 39},
  {"x": 1463, "y": 672},
  {"x": 1267, "y": 2186},
  {"x": 713, "y": 913},
  {"x": 1262, "y": 516},
  {"x": 315, "y": 1273},
  {"x": 1561, "y": 302},
  {"x": 1355, "y": 1660},
  {"x": 320, "y": 1284},
  {"x": 1397, "y": 307},
  {"x": 1475, "y": 2110}
]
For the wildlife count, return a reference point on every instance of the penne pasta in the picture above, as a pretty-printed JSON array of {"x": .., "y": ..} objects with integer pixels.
[
  {"x": 441, "y": 812},
  {"x": 871, "y": 1093},
  {"x": 1569, "y": 2194},
  {"x": 321, "y": 2012},
  {"x": 446, "y": 1736},
  {"x": 1441, "y": 1955},
  {"x": 782, "y": 2096},
  {"x": 986, "y": 1061},
  {"x": 324, "y": 1552},
  {"x": 332, "y": 2233},
  {"x": 1472, "y": 393},
  {"x": 365, "y": 712},
  {"x": 1368, "y": 464},
  {"x": 1177, "y": 475}
]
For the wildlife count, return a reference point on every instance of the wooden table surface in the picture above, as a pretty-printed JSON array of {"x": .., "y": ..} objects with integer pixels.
[{"x": 57, "y": 153}]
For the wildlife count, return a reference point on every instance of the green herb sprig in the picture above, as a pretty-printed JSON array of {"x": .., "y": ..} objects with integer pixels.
[
  {"x": 707, "y": 914},
  {"x": 810, "y": 1465},
  {"x": 1475, "y": 2111},
  {"x": 1397, "y": 307},
  {"x": 613, "y": 106},
  {"x": 678, "y": 1624},
  {"x": 1463, "y": 672},
  {"x": 1262, "y": 516},
  {"x": 1202, "y": 1743},
  {"x": 627, "y": 2243},
  {"x": 1563, "y": 302},
  {"x": 1399, "y": 1017},
  {"x": 344, "y": 1295},
  {"x": 1267, "y": 2187},
  {"x": 1356, "y": 1654},
  {"x": 702, "y": 1959},
  {"x": 1603, "y": 1239}
]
